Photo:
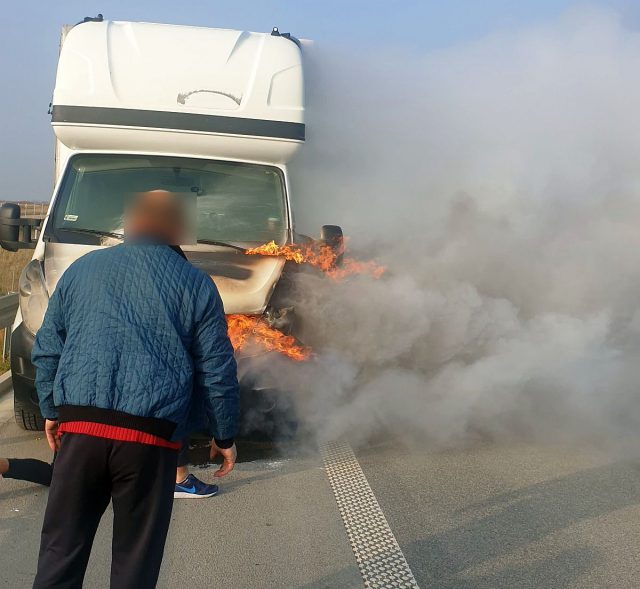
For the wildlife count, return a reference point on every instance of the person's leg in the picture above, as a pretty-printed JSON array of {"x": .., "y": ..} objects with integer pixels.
[
  {"x": 79, "y": 494},
  {"x": 187, "y": 485},
  {"x": 182, "y": 472},
  {"x": 143, "y": 481},
  {"x": 26, "y": 469}
]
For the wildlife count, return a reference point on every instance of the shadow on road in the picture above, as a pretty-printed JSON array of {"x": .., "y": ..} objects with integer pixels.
[
  {"x": 555, "y": 572},
  {"x": 520, "y": 517},
  {"x": 257, "y": 461},
  {"x": 248, "y": 451},
  {"x": 510, "y": 522}
]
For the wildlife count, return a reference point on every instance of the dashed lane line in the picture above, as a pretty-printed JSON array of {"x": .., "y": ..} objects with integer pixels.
[{"x": 378, "y": 554}]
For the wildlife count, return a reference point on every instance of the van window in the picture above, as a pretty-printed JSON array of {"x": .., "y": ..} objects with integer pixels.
[{"x": 235, "y": 202}]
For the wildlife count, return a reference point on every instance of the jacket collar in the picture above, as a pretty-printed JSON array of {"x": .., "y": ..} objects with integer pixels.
[{"x": 149, "y": 240}]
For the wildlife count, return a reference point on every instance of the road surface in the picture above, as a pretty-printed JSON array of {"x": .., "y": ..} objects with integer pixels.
[{"x": 487, "y": 517}]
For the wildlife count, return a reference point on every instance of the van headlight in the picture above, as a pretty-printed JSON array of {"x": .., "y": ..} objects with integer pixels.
[{"x": 33, "y": 296}]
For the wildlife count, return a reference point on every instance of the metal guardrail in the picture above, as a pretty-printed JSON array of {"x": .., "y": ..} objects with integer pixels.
[
  {"x": 6, "y": 386},
  {"x": 8, "y": 309},
  {"x": 30, "y": 208}
]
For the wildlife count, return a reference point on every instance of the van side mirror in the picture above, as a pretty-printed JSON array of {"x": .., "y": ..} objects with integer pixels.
[
  {"x": 15, "y": 231},
  {"x": 332, "y": 236}
]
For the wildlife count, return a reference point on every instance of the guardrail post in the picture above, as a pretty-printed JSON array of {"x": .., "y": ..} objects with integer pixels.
[
  {"x": 6, "y": 344},
  {"x": 8, "y": 308}
]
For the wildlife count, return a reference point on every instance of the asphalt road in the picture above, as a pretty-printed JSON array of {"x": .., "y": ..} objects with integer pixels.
[{"x": 487, "y": 517}]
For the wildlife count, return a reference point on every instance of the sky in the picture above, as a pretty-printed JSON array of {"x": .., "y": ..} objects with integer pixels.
[{"x": 29, "y": 47}]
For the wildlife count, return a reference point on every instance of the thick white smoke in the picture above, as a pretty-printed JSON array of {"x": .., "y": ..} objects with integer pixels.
[{"x": 499, "y": 182}]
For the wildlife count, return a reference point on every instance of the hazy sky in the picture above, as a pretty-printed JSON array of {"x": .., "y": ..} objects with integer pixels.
[{"x": 31, "y": 28}]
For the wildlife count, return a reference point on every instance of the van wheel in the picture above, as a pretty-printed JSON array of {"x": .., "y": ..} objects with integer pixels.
[{"x": 26, "y": 419}]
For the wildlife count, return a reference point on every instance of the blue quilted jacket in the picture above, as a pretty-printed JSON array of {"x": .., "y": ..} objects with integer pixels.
[{"x": 137, "y": 330}]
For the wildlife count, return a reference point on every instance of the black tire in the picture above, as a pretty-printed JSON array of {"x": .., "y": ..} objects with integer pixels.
[{"x": 26, "y": 419}]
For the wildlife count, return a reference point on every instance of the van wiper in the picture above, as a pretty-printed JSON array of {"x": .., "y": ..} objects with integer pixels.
[
  {"x": 222, "y": 244},
  {"x": 93, "y": 232}
]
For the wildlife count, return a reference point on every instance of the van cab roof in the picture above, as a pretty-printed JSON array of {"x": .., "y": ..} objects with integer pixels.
[{"x": 233, "y": 93}]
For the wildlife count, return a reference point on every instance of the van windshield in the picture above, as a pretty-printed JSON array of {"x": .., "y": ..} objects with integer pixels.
[{"x": 234, "y": 202}]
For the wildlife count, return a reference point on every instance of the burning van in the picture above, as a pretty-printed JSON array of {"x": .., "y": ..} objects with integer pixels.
[{"x": 212, "y": 115}]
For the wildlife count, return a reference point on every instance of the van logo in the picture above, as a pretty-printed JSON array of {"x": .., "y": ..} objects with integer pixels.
[{"x": 182, "y": 97}]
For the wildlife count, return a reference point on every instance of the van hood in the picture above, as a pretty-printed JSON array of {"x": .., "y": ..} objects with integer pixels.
[{"x": 245, "y": 282}]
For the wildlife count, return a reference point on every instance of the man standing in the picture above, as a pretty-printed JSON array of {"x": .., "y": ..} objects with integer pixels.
[{"x": 133, "y": 337}]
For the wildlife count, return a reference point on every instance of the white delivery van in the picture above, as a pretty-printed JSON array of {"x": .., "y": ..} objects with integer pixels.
[{"x": 212, "y": 114}]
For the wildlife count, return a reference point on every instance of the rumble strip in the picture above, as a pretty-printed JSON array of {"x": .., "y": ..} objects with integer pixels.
[{"x": 380, "y": 559}]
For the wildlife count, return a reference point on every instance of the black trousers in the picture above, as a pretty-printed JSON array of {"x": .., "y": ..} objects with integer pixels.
[{"x": 88, "y": 473}]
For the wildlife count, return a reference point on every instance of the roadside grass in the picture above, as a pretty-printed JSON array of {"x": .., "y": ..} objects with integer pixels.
[{"x": 11, "y": 264}]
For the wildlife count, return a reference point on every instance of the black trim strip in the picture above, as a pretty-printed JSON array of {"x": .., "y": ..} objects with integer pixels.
[
  {"x": 155, "y": 426},
  {"x": 156, "y": 119}
]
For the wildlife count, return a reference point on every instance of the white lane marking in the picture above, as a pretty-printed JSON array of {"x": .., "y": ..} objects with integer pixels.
[{"x": 378, "y": 554}]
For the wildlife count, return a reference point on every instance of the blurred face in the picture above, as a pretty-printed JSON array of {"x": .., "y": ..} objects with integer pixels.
[{"x": 157, "y": 214}]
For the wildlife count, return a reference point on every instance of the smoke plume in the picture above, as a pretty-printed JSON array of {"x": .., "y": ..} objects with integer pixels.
[{"x": 499, "y": 182}]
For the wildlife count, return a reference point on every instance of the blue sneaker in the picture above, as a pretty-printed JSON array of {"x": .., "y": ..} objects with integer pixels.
[{"x": 193, "y": 488}]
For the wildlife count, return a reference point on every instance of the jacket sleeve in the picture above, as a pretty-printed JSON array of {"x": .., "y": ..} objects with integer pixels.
[
  {"x": 215, "y": 371},
  {"x": 47, "y": 350}
]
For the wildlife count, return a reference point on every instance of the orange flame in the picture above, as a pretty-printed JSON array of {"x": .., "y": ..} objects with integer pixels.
[
  {"x": 318, "y": 255},
  {"x": 248, "y": 329}
]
